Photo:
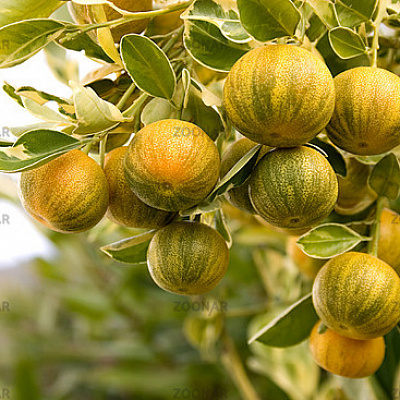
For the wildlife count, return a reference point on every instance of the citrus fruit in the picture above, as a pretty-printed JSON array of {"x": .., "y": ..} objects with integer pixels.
[
  {"x": 87, "y": 14},
  {"x": 293, "y": 188},
  {"x": 279, "y": 95},
  {"x": 366, "y": 120},
  {"x": 239, "y": 196},
  {"x": 187, "y": 258},
  {"x": 125, "y": 208},
  {"x": 68, "y": 194},
  {"x": 354, "y": 192},
  {"x": 307, "y": 265},
  {"x": 344, "y": 356},
  {"x": 172, "y": 165},
  {"x": 357, "y": 295},
  {"x": 389, "y": 239}
]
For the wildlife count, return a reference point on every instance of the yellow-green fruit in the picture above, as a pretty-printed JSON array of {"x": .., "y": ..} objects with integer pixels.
[
  {"x": 89, "y": 14},
  {"x": 239, "y": 196},
  {"x": 366, "y": 120},
  {"x": 68, "y": 194},
  {"x": 357, "y": 295},
  {"x": 346, "y": 357},
  {"x": 293, "y": 188},
  {"x": 307, "y": 265},
  {"x": 279, "y": 95},
  {"x": 389, "y": 239},
  {"x": 125, "y": 208},
  {"x": 187, "y": 258},
  {"x": 354, "y": 192},
  {"x": 172, "y": 165}
]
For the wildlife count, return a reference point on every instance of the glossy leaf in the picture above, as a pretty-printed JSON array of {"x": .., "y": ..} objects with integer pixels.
[
  {"x": 237, "y": 174},
  {"x": 132, "y": 250},
  {"x": 365, "y": 8},
  {"x": 22, "y": 40},
  {"x": 222, "y": 227},
  {"x": 291, "y": 327},
  {"x": 226, "y": 20},
  {"x": 148, "y": 66},
  {"x": 93, "y": 113},
  {"x": 43, "y": 112},
  {"x": 17, "y": 10},
  {"x": 334, "y": 157},
  {"x": 329, "y": 240},
  {"x": 5, "y": 143},
  {"x": 207, "y": 45},
  {"x": 325, "y": 11},
  {"x": 346, "y": 43},
  {"x": 35, "y": 148},
  {"x": 269, "y": 19},
  {"x": 385, "y": 177},
  {"x": 316, "y": 28}
]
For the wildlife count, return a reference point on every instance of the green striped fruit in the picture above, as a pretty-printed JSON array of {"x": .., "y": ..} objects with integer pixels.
[
  {"x": 279, "y": 95},
  {"x": 357, "y": 295},
  {"x": 187, "y": 258},
  {"x": 172, "y": 165},
  {"x": 125, "y": 208},
  {"x": 366, "y": 120},
  {"x": 68, "y": 194},
  {"x": 239, "y": 196},
  {"x": 293, "y": 188}
]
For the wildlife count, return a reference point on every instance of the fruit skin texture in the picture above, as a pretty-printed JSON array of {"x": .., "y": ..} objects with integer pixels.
[
  {"x": 293, "y": 188},
  {"x": 172, "y": 165},
  {"x": 366, "y": 120},
  {"x": 68, "y": 194},
  {"x": 307, "y": 265},
  {"x": 86, "y": 14},
  {"x": 344, "y": 356},
  {"x": 357, "y": 295},
  {"x": 125, "y": 208},
  {"x": 187, "y": 258},
  {"x": 389, "y": 239},
  {"x": 239, "y": 196},
  {"x": 279, "y": 95},
  {"x": 355, "y": 194}
]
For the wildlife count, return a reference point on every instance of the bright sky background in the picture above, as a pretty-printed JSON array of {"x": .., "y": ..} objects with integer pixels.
[{"x": 19, "y": 239}]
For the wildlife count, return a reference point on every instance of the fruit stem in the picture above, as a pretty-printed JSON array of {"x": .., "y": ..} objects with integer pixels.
[
  {"x": 136, "y": 105},
  {"x": 231, "y": 360},
  {"x": 126, "y": 96},
  {"x": 382, "y": 5},
  {"x": 373, "y": 244},
  {"x": 103, "y": 144}
]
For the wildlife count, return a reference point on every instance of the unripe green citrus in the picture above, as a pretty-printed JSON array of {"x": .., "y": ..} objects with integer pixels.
[
  {"x": 172, "y": 165},
  {"x": 357, "y": 295},
  {"x": 239, "y": 196},
  {"x": 344, "y": 356},
  {"x": 68, "y": 194},
  {"x": 187, "y": 258},
  {"x": 366, "y": 120},
  {"x": 125, "y": 208},
  {"x": 279, "y": 95},
  {"x": 293, "y": 188}
]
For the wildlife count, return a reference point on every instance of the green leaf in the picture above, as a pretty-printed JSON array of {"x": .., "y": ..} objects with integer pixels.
[
  {"x": 269, "y": 19},
  {"x": 43, "y": 112},
  {"x": 329, "y": 240},
  {"x": 291, "y": 327},
  {"x": 148, "y": 66},
  {"x": 334, "y": 157},
  {"x": 5, "y": 143},
  {"x": 227, "y": 21},
  {"x": 132, "y": 250},
  {"x": 237, "y": 174},
  {"x": 93, "y": 113},
  {"x": 222, "y": 227},
  {"x": 207, "y": 45},
  {"x": 346, "y": 43},
  {"x": 17, "y": 10},
  {"x": 387, "y": 373},
  {"x": 84, "y": 43},
  {"x": 385, "y": 177},
  {"x": 325, "y": 11},
  {"x": 365, "y": 8},
  {"x": 10, "y": 90},
  {"x": 20, "y": 130},
  {"x": 316, "y": 28},
  {"x": 22, "y": 40},
  {"x": 36, "y": 148}
]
